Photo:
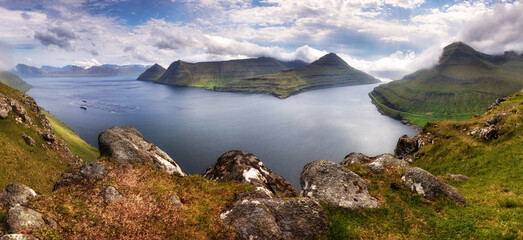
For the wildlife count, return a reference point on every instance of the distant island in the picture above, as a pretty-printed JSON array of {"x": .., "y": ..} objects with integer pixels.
[
  {"x": 23, "y": 70},
  {"x": 260, "y": 75},
  {"x": 463, "y": 83}
]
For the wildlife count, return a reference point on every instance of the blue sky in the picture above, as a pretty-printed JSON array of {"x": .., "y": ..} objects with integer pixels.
[{"x": 382, "y": 37}]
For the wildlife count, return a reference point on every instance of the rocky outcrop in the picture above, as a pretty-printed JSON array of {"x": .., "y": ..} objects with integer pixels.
[
  {"x": 336, "y": 185},
  {"x": 484, "y": 133},
  {"x": 354, "y": 159},
  {"x": 16, "y": 193},
  {"x": 20, "y": 218},
  {"x": 246, "y": 168},
  {"x": 5, "y": 107},
  {"x": 379, "y": 163},
  {"x": 18, "y": 237},
  {"x": 429, "y": 186},
  {"x": 110, "y": 194},
  {"x": 276, "y": 218},
  {"x": 28, "y": 140},
  {"x": 127, "y": 145},
  {"x": 405, "y": 146},
  {"x": 89, "y": 171}
]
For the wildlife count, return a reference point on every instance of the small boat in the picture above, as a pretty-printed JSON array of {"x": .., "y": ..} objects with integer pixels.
[
  {"x": 83, "y": 107},
  {"x": 84, "y": 101}
]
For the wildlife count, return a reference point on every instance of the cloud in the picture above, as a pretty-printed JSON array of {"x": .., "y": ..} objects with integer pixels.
[
  {"x": 87, "y": 63},
  {"x": 5, "y": 56}
]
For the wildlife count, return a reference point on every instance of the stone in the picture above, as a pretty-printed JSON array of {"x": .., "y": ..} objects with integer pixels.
[
  {"x": 381, "y": 162},
  {"x": 458, "y": 177},
  {"x": 16, "y": 193},
  {"x": 246, "y": 168},
  {"x": 277, "y": 218},
  {"x": 127, "y": 145},
  {"x": 28, "y": 140},
  {"x": 175, "y": 200},
  {"x": 486, "y": 133},
  {"x": 110, "y": 194},
  {"x": 20, "y": 218},
  {"x": 49, "y": 136},
  {"x": 354, "y": 159},
  {"x": 336, "y": 185},
  {"x": 429, "y": 186},
  {"x": 17, "y": 107},
  {"x": 405, "y": 146},
  {"x": 5, "y": 107},
  {"x": 18, "y": 237},
  {"x": 89, "y": 171}
]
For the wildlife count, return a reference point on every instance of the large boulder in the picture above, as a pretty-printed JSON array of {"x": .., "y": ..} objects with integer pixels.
[
  {"x": 89, "y": 171},
  {"x": 127, "y": 145},
  {"x": 246, "y": 168},
  {"x": 405, "y": 146},
  {"x": 20, "y": 218},
  {"x": 381, "y": 162},
  {"x": 110, "y": 194},
  {"x": 5, "y": 107},
  {"x": 16, "y": 193},
  {"x": 354, "y": 158},
  {"x": 336, "y": 185},
  {"x": 429, "y": 186},
  {"x": 486, "y": 133},
  {"x": 276, "y": 218}
]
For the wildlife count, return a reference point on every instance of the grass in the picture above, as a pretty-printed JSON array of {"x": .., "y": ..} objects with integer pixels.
[
  {"x": 77, "y": 145},
  {"x": 14, "y": 81},
  {"x": 494, "y": 193}
]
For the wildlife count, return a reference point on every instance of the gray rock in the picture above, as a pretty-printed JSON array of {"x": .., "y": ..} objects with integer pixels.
[
  {"x": 484, "y": 133},
  {"x": 89, "y": 171},
  {"x": 176, "y": 201},
  {"x": 20, "y": 218},
  {"x": 246, "y": 168},
  {"x": 5, "y": 107},
  {"x": 28, "y": 140},
  {"x": 429, "y": 186},
  {"x": 381, "y": 162},
  {"x": 18, "y": 237},
  {"x": 405, "y": 146},
  {"x": 49, "y": 136},
  {"x": 17, "y": 107},
  {"x": 336, "y": 185},
  {"x": 127, "y": 145},
  {"x": 276, "y": 218},
  {"x": 354, "y": 159},
  {"x": 16, "y": 193},
  {"x": 458, "y": 177},
  {"x": 110, "y": 194}
]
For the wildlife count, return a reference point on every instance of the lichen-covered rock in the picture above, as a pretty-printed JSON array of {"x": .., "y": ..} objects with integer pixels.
[
  {"x": 484, "y": 133},
  {"x": 276, "y": 218},
  {"x": 175, "y": 200},
  {"x": 110, "y": 194},
  {"x": 405, "y": 146},
  {"x": 458, "y": 177},
  {"x": 16, "y": 193},
  {"x": 381, "y": 162},
  {"x": 18, "y": 237},
  {"x": 89, "y": 171},
  {"x": 127, "y": 145},
  {"x": 429, "y": 186},
  {"x": 246, "y": 168},
  {"x": 336, "y": 185},
  {"x": 28, "y": 140},
  {"x": 49, "y": 136},
  {"x": 354, "y": 159},
  {"x": 5, "y": 107},
  {"x": 20, "y": 218}
]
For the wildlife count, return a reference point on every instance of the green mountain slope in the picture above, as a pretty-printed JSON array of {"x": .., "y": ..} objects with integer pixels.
[
  {"x": 152, "y": 73},
  {"x": 328, "y": 71},
  {"x": 14, "y": 81},
  {"x": 463, "y": 83}
]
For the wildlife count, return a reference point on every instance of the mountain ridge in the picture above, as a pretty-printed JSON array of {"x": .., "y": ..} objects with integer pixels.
[{"x": 76, "y": 71}]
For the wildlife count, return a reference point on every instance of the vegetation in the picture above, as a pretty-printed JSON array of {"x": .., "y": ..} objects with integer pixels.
[
  {"x": 14, "y": 81},
  {"x": 152, "y": 74},
  {"x": 494, "y": 208},
  {"x": 465, "y": 82},
  {"x": 77, "y": 145}
]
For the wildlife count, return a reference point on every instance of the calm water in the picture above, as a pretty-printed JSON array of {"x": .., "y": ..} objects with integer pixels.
[{"x": 195, "y": 126}]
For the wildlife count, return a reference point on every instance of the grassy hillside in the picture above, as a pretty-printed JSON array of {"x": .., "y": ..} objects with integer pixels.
[
  {"x": 152, "y": 73},
  {"x": 494, "y": 192},
  {"x": 328, "y": 71},
  {"x": 465, "y": 82},
  {"x": 14, "y": 81}
]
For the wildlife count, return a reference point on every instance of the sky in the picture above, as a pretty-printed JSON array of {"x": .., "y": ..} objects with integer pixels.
[{"x": 385, "y": 38}]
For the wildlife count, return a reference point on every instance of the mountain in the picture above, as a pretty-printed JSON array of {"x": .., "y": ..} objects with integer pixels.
[
  {"x": 328, "y": 71},
  {"x": 152, "y": 73},
  {"x": 463, "y": 83},
  {"x": 55, "y": 69},
  {"x": 210, "y": 74},
  {"x": 75, "y": 71},
  {"x": 14, "y": 81},
  {"x": 23, "y": 70}
]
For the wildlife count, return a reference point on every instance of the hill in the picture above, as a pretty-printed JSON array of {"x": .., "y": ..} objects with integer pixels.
[
  {"x": 152, "y": 73},
  {"x": 75, "y": 71},
  {"x": 328, "y": 71},
  {"x": 211, "y": 74},
  {"x": 14, "y": 81},
  {"x": 463, "y": 83}
]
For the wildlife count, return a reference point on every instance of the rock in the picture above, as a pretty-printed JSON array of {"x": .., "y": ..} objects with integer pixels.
[
  {"x": 110, "y": 194},
  {"x": 484, "y": 133},
  {"x": 20, "y": 218},
  {"x": 176, "y": 201},
  {"x": 429, "y": 186},
  {"x": 89, "y": 171},
  {"x": 381, "y": 162},
  {"x": 276, "y": 218},
  {"x": 405, "y": 146},
  {"x": 336, "y": 185},
  {"x": 246, "y": 168},
  {"x": 354, "y": 159},
  {"x": 18, "y": 237},
  {"x": 29, "y": 140},
  {"x": 17, "y": 107},
  {"x": 458, "y": 177},
  {"x": 5, "y": 107},
  {"x": 496, "y": 103},
  {"x": 127, "y": 145},
  {"x": 49, "y": 136},
  {"x": 16, "y": 193},
  {"x": 490, "y": 121}
]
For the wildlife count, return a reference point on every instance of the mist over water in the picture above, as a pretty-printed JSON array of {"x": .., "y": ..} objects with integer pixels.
[{"x": 195, "y": 126}]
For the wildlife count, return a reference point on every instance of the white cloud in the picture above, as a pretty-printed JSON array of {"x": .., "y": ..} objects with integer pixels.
[{"x": 87, "y": 63}]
